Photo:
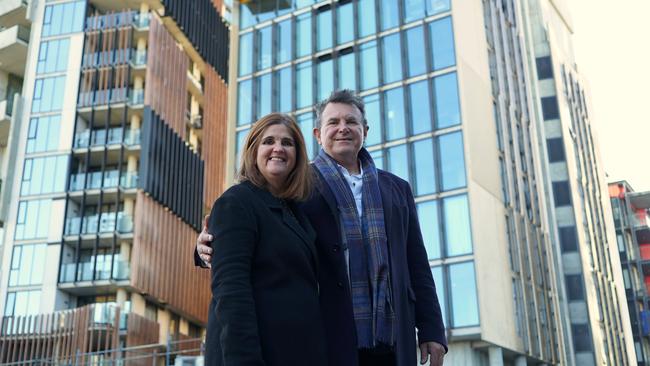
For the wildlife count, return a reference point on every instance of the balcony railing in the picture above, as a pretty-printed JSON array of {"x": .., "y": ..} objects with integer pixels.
[
  {"x": 136, "y": 97},
  {"x": 132, "y": 137},
  {"x": 139, "y": 58},
  {"x": 107, "y": 96},
  {"x": 93, "y": 180},
  {"x": 83, "y": 271},
  {"x": 115, "y": 20},
  {"x": 129, "y": 181},
  {"x": 112, "y": 136},
  {"x": 107, "y": 222}
]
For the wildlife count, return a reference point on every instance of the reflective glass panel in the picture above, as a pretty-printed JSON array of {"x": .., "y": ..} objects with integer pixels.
[
  {"x": 303, "y": 35},
  {"x": 430, "y": 227},
  {"x": 378, "y": 158},
  {"x": 442, "y": 43},
  {"x": 264, "y": 95},
  {"x": 43, "y": 134},
  {"x": 389, "y": 14},
  {"x": 398, "y": 161},
  {"x": 457, "y": 226},
  {"x": 417, "y": 59},
  {"x": 367, "y": 23},
  {"x": 246, "y": 54},
  {"x": 420, "y": 107},
  {"x": 368, "y": 65},
  {"x": 306, "y": 123},
  {"x": 425, "y": 172},
  {"x": 437, "y": 6},
  {"x": 413, "y": 10},
  {"x": 264, "y": 48},
  {"x": 284, "y": 42},
  {"x": 452, "y": 160},
  {"x": 373, "y": 116},
  {"x": 285, "y": 90},
  {"x": 304, "y": 85},
  {"x": 394, "y": 113},
  {"x": 446, "y": 95},
  {"x": 344, "y": 23},
  {"x": 245, "y": 102},
  {"x": 463, "y": 294},
  {"x": 325, "y": 78},
  {"x": 440, "y": 291},
  {"x": 392, "y": 58},
  {"x": 324, "y": 33},
  {"x": 347, "y": 74},
  {"x": 246, "y": 17}
]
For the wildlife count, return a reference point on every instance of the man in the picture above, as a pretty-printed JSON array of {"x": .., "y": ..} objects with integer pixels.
[{"x": 374, "y": 278}]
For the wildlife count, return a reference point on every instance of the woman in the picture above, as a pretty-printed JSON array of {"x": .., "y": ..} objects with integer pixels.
[{"x": 264, "y": 308}]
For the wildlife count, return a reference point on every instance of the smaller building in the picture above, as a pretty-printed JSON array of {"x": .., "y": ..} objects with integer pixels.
[{"x": 631, "y": 211}]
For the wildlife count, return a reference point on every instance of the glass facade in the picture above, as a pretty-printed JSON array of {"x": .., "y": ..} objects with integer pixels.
[{"x": 415, "y": 125}]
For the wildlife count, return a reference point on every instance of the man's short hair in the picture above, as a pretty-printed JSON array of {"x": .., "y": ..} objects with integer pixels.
[{"x": 343, "y": 96}]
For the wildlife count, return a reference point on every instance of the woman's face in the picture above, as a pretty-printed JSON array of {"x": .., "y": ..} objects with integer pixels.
[{"x": 276, "y": 155}]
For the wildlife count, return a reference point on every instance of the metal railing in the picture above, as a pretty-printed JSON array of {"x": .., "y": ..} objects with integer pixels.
[
  {"x": 107, "y": 222},
  {"x": 112, "y": 136},
  {"x": 84, "y": 271}
]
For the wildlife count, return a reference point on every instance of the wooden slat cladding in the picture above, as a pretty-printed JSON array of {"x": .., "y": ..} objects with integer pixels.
[
  {"x": 162, "y": 264},
  {"x": 167, "y": 65},
  {"x": 142, "y": 331},
  {"x": 61, "y": 338},
  {"x": 215, "y": 136}
]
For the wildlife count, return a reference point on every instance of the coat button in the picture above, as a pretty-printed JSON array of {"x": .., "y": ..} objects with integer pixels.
[
  {"x": 336, "y": 248},
  {"x": 340, "y": 284}
]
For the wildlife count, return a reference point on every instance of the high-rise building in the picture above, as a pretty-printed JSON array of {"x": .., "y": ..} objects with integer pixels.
[
  {"x": 631, "y": 212},
  {"x": 120, "y": 147},
  {"x": 462, "y": 102}
]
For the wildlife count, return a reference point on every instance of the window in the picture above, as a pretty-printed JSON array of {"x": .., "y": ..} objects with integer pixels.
[
  {"x": 574, "y": 287},
  {"x": 425, "y": 173},
  {"x": 389, "y": 14},
  {"x": 457, "y": 226},
  {"x": 48, "y": 94},
  {"x": 304, "y": 84},
  {"x": 43, "y": 134},
  {"x": 413, "y": 10},
  {"x": 568, "y": 239},
  {"x": 264, "y": 48},
  {"x": 306, "y": 123},
  {"x": 544, "y": 68},
  {"x": 581, "y": 337},
  {"x": 245, "y": 102},
  {"x": 368, "y": 65},
  {"x": 246, "y": 53},
  {"x": 53, "y": 56},
  {"x": 398, "y": 161},
  {"x": 284, "y": 42},
  {"x": 344, "y": 31},
  {"x": 452, "y": 161},
  {"x": 440, "y": 291},
  {"x": 392, "y": 58},
  {"x": 394, "y": 112},
  {"x": 246, "y": 17},
  {"x": 303, "y": 35},
  {"x": 367, "y": 23},
  {"x": 562, "y": 193},
  {"x": 347, "y": 74},
  {"x": 417, "y": 59},
  {"x": 285, "y": 90},
  {"x": 420, "y": 107},
  {"x": 44, "y": 175},
  {"x": 446, "y": 100},
  {"x": 325, "y": 78},
  {"x": 241, "y": 139},
  {"x": 27, "y": 264},
  {"x": 463, "y": 295},
  {"x": 430, "y": 227},
  {"x": 442, "y": 44},
  {"x": 555, "y": 148},
  {"x": 23, "y": 303},
  {"x": 64, "y": 18},
  {"x": 264, "y": 95},
  {"x": 33, "y": 219},
  {"x": 549, "y": 108},
  {"x": 373, "y": 116},
  {"x": 378, "y": 158},
  {"x": 324, "y": 32},
  {"x": 437, "y": 6}
]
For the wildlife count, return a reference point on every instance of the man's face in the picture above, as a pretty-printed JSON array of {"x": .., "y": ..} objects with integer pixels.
[{"x": 342, "y": 131}]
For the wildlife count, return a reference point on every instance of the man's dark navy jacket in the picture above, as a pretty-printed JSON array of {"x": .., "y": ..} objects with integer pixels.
[{"x": 413, "y": 290}]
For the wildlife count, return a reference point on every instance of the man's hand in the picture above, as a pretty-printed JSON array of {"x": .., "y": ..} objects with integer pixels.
[
  {"x": 436, "y": 350},
  {"x": 203, "y": 243}
]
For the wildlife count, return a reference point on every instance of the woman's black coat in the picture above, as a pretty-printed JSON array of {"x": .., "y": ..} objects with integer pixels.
[{"x": 265, "y": 306}]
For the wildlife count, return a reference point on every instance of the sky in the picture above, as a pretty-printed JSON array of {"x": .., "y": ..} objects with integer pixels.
[{"x": 613, "y": 54}]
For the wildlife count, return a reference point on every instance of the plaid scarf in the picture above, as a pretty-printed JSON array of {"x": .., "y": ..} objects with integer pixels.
[{"x": 367, "y": 244}]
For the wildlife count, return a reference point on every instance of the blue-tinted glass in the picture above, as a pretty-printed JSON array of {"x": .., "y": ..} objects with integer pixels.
[
  {"x": 241, "y": 140},
  {"x": 58, "y": 93},
  {"x": 246, "y": 54},
  {"x": 43, "y": 134},
  {"x": 303, "y": 3},
  {"x": 446, "y": 100},
  {"x": 398, "y": 161},
  {"x": 425, "y": 173},
  {"x": 57, "y": 19},
  {"x": 378, "y": 158},
  {"x": 47, "y": 21},
  {"x": 246, "y": 17},
  {"x": 42, "y": 56},
  {"x": 437, "y": 6},
  {"x": 344, "y": 29},
  {"x": 373, "y": 116},
  {"x": 35, "y": 219},
  {"x": 324, "y": 30},
  {"x": 264, "y": 47},
  {"x": 430, "y": 226},
  {"x": 53, "y": 56},
  {"x": 265, "y": 13},
  {"x": 458, "y": 237},
  {"x": 394, "y": 114},
  {"x": 413, "y": 10},
  {"x": 245, "y": 102},
  {"x": 79, "y": 16},
  {"x": 62, "y": 55},
  {"x": 442, "y": 43},
  {"x": 303, "y": 35},
  {"x": 452, "y": 161},
  {"x": 48, "y": 93},
  {"x": 368, "y": 65},
  {"x": 285, "y": 90},
  {"x": 284, "y": 42},
  {"x": 38, "y": 94},
  {"x": 68, "y": 13},
  {"x": 347, "y": 74},
  {"x": 325, "y": 79},
  {"x": 306, "y": 123},
  {"x": 440, "y": 291},
  {"x": 416, "y": 57},
  {"x": 264, "y": 95},
  {"x": 420, "y": 107},
  {"x": 367, "y": 23},
  {"x": 60, "y": 173},
  {"x": 304, "y": 85},
  {"x": 389, "y": 14},
  {"x": 463, "y": 294},
  {"x": 392, "y": 58},
  {"x": 36, "y": 183}
]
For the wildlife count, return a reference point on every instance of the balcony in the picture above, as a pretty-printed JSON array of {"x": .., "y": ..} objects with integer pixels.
[
  {"x": 14, "y": 12},
  {"x": 132, "y": 137},
  {"x": 139, "y": 58},
  {"x": 84, "y": 271},
  {"x": 136, "y": 97},
  {"x": 5, "y": 112},
  {"x": 107, "y": 222},
  {"x": 13, "y": 49},
  {"x": 102, "y": 97},
  {"x": 103, "y": 137}
]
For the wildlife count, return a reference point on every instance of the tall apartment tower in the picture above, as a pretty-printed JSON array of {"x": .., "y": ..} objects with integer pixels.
[
  {"x": 631, "y": 213},
  {"x": 578, "y": 206},
  {"x": 121, "y": 148}
]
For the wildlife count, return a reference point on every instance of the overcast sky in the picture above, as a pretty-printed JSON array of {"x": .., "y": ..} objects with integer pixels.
[{"x": 612, "y": 47}]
